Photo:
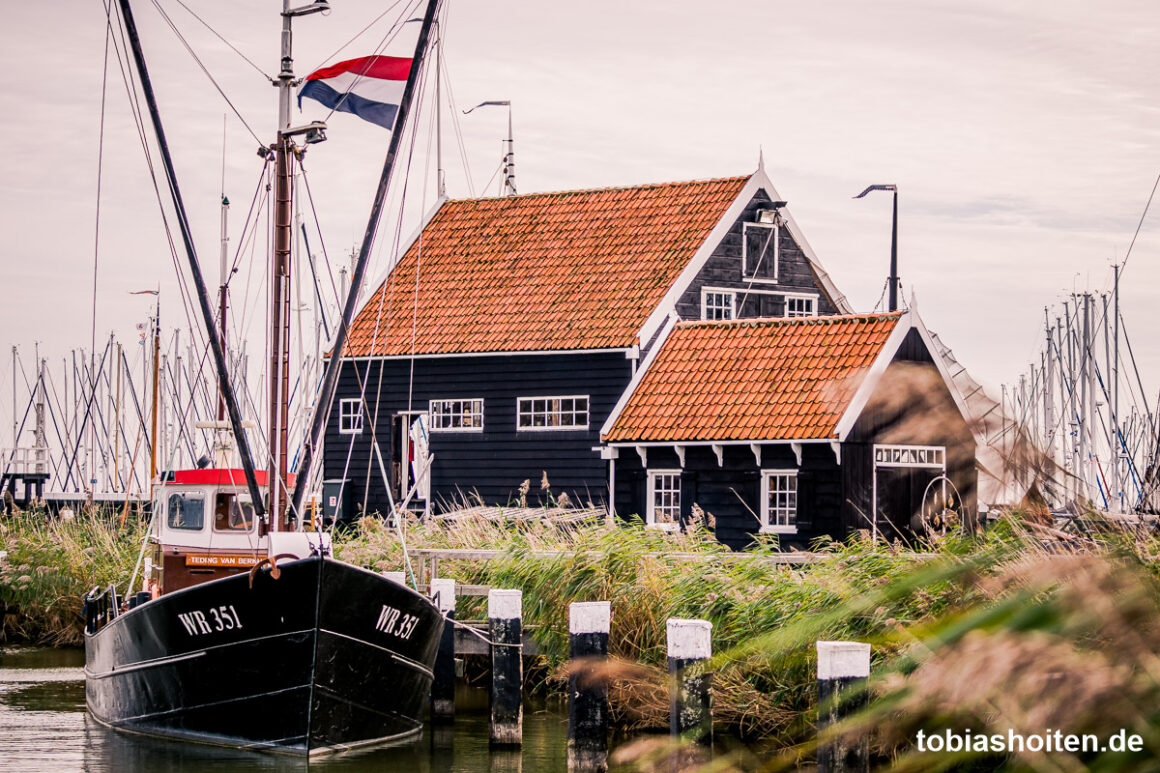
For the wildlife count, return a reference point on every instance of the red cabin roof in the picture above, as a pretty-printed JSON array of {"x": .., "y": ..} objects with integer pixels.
[{"x": 221, "y": 477}]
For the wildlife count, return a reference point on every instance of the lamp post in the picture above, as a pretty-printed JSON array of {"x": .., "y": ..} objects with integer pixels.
[
  {"x": 509, "y": 158},
  {"x": 893, "y": 242}
]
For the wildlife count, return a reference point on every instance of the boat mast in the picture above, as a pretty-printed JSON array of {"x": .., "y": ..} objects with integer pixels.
[
  {"x": 194, "y": 267},
  {"x": 334, "y": 365},
  {"x": 279, "y": 381},
  {"x": 153, "y": 412}
]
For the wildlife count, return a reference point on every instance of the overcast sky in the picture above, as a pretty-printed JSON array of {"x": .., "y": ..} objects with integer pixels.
[{"x": 1024, "y": 138}]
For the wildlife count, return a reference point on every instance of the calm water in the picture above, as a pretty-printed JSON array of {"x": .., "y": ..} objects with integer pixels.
[{"x": 44, "y": 728}]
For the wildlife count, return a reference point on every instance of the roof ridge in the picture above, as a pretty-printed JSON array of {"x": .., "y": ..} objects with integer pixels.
[
  {"x": 607, "y": 189},
  {"x": 878, "y": 316}
]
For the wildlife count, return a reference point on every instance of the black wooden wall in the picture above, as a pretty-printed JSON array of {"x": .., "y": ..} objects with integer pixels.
[
  {"x": 488, "y": 465},
  {"x": 731, "y": 491},
  {"x": 723, "y": 270}
]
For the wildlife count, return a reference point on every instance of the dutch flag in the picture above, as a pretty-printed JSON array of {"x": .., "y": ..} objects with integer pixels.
[{"x": 371, "y": 87}]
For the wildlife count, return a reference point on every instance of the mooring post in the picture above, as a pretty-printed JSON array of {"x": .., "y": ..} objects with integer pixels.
[
  {"x": 505, "y": 628},
  {"x": 690, "y": 707},
  {"x": 589, "y": 623},
  {"x": 841, "y": 665},
  {"x": 443, "y": 685}
]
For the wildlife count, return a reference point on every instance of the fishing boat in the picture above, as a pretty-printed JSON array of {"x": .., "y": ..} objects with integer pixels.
[{"x": 245, "y": 631}]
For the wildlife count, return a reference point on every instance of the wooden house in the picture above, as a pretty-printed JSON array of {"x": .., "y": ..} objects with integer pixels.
[
  {"x": 514, "y": 325},
  {"x": 792, "y": 426}
]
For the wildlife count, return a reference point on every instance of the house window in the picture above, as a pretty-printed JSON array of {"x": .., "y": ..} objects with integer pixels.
[
  {"x": 760, "y": 244},
  {"x": 453, "y": 415},
  {"x": 801, "y": 306},
  {"x": 350, "y": 416},
  {"x": 664, "y": 499},
  {"x": 552, "y": 413},
  {"x": 779, "y": 502},
  {"x": 717, "y": 304}
]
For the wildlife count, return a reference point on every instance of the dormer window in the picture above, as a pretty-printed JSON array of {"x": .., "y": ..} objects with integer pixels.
[{"x": 759, "y": 251}]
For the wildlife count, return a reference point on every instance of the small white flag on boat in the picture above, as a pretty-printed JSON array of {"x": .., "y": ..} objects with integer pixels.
[{"x": 370, "y": 87}]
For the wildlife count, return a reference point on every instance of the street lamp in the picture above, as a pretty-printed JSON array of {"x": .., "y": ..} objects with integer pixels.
[{"x": 893, "y": 242}]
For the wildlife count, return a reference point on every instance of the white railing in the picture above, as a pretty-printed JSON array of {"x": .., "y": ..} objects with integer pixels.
[{"x": 24, "y": 461}]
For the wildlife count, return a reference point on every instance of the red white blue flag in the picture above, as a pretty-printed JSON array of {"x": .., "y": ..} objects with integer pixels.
[{"x": 371, "y": 87}]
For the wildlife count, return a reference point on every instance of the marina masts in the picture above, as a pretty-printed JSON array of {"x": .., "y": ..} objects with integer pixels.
[{"x": 195, "y": 269}]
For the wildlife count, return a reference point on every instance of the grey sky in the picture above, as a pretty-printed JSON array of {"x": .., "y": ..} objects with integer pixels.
[{"x": 1024, "y": 138}]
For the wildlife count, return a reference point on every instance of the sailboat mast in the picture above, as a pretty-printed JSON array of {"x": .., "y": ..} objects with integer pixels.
[{"x": 219, "y": 356}]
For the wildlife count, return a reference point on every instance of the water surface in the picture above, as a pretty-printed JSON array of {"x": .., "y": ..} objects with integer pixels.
[{"x": 45, "y": 729}]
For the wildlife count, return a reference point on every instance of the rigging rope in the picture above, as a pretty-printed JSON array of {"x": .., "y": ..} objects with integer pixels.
[{"x": 218, "y": 35}]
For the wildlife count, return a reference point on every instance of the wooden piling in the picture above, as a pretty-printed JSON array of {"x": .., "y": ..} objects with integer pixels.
[
  {"x": 842, "y": 665},
  {"x": 589, "y": 623},
  {"x": 504, "y": 618},
  {"x": 443, "y": 685},
  {"x": 690, "y": 701}
]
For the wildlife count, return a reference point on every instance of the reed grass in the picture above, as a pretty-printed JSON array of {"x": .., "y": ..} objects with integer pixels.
[{"x": 52, "y": 562}]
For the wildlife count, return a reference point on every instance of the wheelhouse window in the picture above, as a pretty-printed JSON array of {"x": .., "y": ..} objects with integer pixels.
[
  {"x": 350, "y": 416},
  {"x": 760, "y": 244},
  {"x": 718, "y": 304},
  {"x": 552, "y": 413},
  {"x": 186, "y": 511},
  {"x": 801, "y": 306},
  {"x": 664, "y": 499},
  {"x": 457, "y": 415},
  {"x": 233, "y": 513},
  {"x": 779, "y": 501}
]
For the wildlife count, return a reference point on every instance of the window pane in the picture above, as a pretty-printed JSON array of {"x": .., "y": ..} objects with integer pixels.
[{"x": 186, "y": 511}]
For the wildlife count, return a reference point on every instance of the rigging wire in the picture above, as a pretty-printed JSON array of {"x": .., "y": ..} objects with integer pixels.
[
  {"x": 357, "y": 35},
  {"x": 204, "y": 69},
  {"x": 1140, "y": 225},
  {"x": 220, "y": 37},
  {"x": 97, "y": 215}
]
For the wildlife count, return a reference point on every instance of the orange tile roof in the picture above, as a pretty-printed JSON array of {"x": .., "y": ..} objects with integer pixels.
[
  {"x": 753, "y": 379},
  {"x": 546, "y": 271}
]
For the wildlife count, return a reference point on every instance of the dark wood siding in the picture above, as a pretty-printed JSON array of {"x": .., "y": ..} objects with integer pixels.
[
  {"x": 486, "y": 466},
  {"x": 731, "y": 492},
  {"x": 724, "y": 270}
]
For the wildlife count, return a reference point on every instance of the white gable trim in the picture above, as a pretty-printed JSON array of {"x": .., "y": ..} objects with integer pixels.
[
  {"x": 668, "y": 303},
  {"x": 641, "y": 370},
  {"x": 909, "y": 321},
  {"x": 759, "y": 180}
]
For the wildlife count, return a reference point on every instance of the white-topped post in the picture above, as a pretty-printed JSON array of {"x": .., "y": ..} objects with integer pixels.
[
  {"x": 842, "y": 666},
  {"x": 690, "y": 700},
  {"x": 505, "y": 628},
  {"x": 443, "y": 684},
  {"x": 589, "y": 623}
]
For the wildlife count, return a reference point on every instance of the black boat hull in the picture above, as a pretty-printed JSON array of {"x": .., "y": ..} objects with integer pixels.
[{"x": 325, "y": 658}]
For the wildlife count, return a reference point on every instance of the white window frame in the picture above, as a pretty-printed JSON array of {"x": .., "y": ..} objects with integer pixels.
[
  {"x": 350, "y": 422},
  {"x": 811, "y": 299},
  {"x": 746, "y": 274},
  {"x": 777, "y": 528},
  {"x": 453, "y": 410},
  {"x": 730, "y": 294},
  {"x": 530, "y": 411},
  {"x": 650, "y": 500}
]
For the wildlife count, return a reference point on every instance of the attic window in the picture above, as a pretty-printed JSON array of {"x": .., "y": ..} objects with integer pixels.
[
  {"x": 718, "y": 304},
  {"x": 760, "y": 246}
]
